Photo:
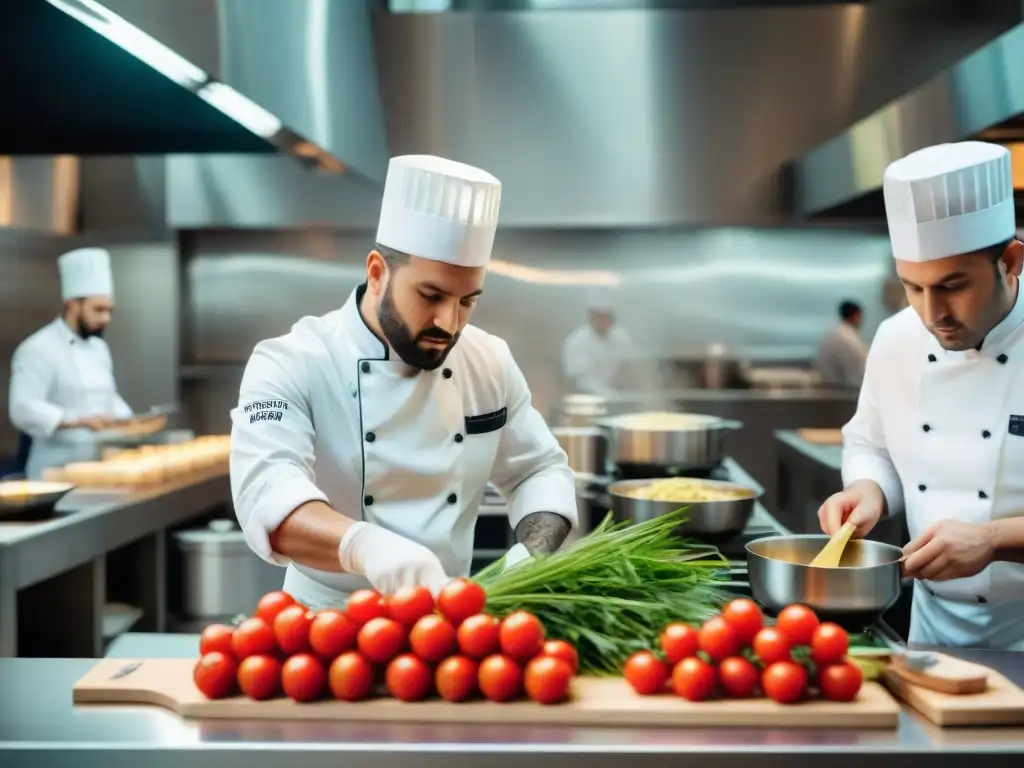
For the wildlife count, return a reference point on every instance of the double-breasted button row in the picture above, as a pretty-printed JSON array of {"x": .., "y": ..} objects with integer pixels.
[
  {"x": 981, "y": 599},
  {"x": 984, "y": 433},
  {"x": 922, "y": 488},
  {"x": 368, "y": 499}
]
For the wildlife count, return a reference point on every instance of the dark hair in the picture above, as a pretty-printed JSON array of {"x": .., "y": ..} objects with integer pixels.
[
  {"x": 849, "y": 309},
  {"x": 394, "y": 259}
]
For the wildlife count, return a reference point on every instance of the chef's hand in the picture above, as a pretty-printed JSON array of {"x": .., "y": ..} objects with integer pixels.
[
  {"x": 95, "y": 423},
  {"x": 388, "y": 560},
  {"x": 516, "y": 555},
  {"x": 947, "y": 550},
  {"x": 861, "y": 503}
]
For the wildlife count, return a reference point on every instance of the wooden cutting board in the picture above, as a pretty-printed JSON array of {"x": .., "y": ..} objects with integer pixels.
[
  {"x": 1000, "y": 703},
  {"x": 595, "y": 702},
  {"x": 821, "y": 436}
]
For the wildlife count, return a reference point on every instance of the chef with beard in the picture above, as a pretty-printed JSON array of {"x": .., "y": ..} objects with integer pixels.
[
  {"x": 62, "y": 380},
  {"x": 939, "y": 427},
  {"x": 364, "y": 439}
]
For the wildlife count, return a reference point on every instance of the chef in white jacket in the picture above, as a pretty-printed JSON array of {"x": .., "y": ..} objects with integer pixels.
[
  {"x": 62, "y": 380},
  {"x": 939, "y": 427},
  {"x": 363, "y": 439},
  {"x": 842, "y": 353},
  {"x": 593, "y": 355}
]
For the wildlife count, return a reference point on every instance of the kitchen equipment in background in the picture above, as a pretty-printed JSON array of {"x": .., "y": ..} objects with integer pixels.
[
  {"x": 712, "y": 520},
  {"x": 222, "y": 577},
  {"x": 30, "y": 499},
  {"x": 782, "y": 378},
  {"x": 580, "y": 410},
  {"x": 586, "y": 448},
  {"x": 679, "y": 440},
  {"x": 864, "y": 586}
]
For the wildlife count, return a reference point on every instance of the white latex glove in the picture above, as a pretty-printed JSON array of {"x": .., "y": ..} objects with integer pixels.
[
  {"x": 516, "y": 555},
  {"x": 389, "y": 561}
]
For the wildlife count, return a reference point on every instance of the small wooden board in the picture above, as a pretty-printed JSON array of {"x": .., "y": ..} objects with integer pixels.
[
  {"x": 821, "y": 436},
  {"x": 607, "y": 702},
  {"x": 1000, "y": 703}
]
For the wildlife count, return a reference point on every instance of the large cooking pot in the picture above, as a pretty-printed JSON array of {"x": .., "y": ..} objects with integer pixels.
[
  {"x": 708, "y": 521},
  {"x": 685, "y": 441},
  {"x": 864, "y": 586},
  {"x": 586, "y": 448},
  {"x": 580, "y": 410}
]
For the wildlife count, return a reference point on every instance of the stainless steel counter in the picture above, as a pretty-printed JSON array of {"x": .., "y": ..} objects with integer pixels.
[
  {"x": 39, "y": 723},
  {"x": 99, "y": 546}
]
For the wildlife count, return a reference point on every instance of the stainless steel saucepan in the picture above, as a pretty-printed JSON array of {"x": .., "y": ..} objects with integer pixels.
[
  {"x": 708, "y": 521},
  {"x": 638, "y": 439},
  {"x": 30, "y": 499},
  {"x": 854, "y": 595}
]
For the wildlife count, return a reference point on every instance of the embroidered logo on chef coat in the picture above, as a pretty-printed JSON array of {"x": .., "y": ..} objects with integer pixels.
[
  {"x": 1017, "y": 425},
  {"x": 265, "y": 410}
]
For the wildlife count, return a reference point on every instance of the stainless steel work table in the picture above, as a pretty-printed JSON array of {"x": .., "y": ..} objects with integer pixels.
[
  {"x": 39, "y": 726},
  {"x": 101, "y": 545}
]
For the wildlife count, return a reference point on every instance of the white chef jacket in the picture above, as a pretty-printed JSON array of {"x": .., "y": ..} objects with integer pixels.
[
  {"x": 328, "y": 412},
  {"x": 942, "y": 433},
  {"x": 58, "y": 376},
  {"x": 590, "y": 361},
  {"x": 842, "y": 356}
]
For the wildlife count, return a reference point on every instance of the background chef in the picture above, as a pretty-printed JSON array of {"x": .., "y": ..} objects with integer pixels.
[
  {"x": 842, "y": 353},
  {"x": 939, "y": 427},
  {"x": 62, "y": 381},
  {"x": 364, "y": 439},
  {"x": 594, "y": 355}
]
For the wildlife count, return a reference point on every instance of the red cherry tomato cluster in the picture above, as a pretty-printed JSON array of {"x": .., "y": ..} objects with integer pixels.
[
  {"x": 734, "y": 654},
  {"x": 406, "y": 641}
]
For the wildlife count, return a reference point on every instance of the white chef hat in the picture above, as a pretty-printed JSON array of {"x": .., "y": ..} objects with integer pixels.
[
  {"x": 85, "y": 272},
  {"x": 949, "y": 199},
  {"x": 439, "y": 209},
  {"x": 600, "y": 299}
]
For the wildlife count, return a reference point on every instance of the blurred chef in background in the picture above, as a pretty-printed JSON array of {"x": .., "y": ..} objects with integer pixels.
[
  {"x": 62, "y": 376},
  {"x": 842, "y": 353},
  {"x": 594, "y": 356}
]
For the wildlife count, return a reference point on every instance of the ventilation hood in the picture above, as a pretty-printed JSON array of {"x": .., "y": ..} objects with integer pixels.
[
  {"x": 981, "y": 97},
  {"x": 153, "y": 77}
]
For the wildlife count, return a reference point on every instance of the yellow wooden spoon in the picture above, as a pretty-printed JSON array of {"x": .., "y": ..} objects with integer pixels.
[{"x": 832, "y": 552}]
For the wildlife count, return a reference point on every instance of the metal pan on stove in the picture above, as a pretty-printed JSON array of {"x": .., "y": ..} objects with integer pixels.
[
  {"x": 667, "y": 439},
  {"x": 30, "y": 499}
]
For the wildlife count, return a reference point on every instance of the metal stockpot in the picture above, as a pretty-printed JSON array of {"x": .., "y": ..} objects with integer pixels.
[
  {"x": 864, "y": 586},
  {"x": 701, "y": 446},
  {"x": 707, "y": 521},
  {"x": 586, "y": 448}
]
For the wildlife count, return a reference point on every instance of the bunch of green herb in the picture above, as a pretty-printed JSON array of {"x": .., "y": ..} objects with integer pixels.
[{"x": 612, "y": 592}]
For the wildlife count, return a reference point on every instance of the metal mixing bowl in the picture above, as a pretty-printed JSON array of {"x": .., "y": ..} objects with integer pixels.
[
  {"x": 862, "y": 588},
  {"x": 708, "y": 520}
]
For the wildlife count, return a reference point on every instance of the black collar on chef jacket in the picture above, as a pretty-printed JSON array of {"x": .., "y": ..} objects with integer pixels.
[{"x": 369, "y": 345}]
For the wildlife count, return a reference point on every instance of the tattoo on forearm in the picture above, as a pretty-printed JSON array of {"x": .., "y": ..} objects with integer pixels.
[{"x": 542, "y": 532}]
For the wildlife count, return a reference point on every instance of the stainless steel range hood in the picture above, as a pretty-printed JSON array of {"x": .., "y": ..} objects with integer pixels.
[
  {"x": 980, "y": 97},
  {"x": 272, "y": 66}
]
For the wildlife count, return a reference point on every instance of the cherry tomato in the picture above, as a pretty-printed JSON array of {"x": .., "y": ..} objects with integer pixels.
[
  {"x": 303, "y": 677},
  {"x": 253, "y": 637},
  {"x": 350, "y": 677},
  {"x": 679, "y": 641},
  {"x": 272, "y": 604},
  {"x": 694, "y": 679},
  {"x": 478, "y": 636},
  {"x": 380, "y": 640},
  {"x": 744, "y": 616},
  {"x": 461, "y": 598},
  {"x": 215, "y": 674},
  {"x": 718, "y": 640},
  {"x": 797, "y": 622},
  {"x": 521, "y": 636},
  {"x": 561, "y": 649},
  {"x": 410, "y": 604},
  {"x": 784, "y": 681},
  {"x": 216, "y": 637},
  {"x": 331, "y": 634},
  {"x": 770, "y": 646},
  {"x": 499, "y": 678},
  {"x": 645, "y": 673},
  {"x": 408, "y": 678},
  {"x": 432, "y": 638},
  {"x": 546, "y": 679},
  {"x": 365, "y": 605},
  {"x": 455, "y": 678},
  {"x": 259, "y": 677},
  {"x": 739, "y": 677},
  {"x": 841, "y": 681},
  {"x": 829, "y": 643},
  {"x": 291, "y": 628}
]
